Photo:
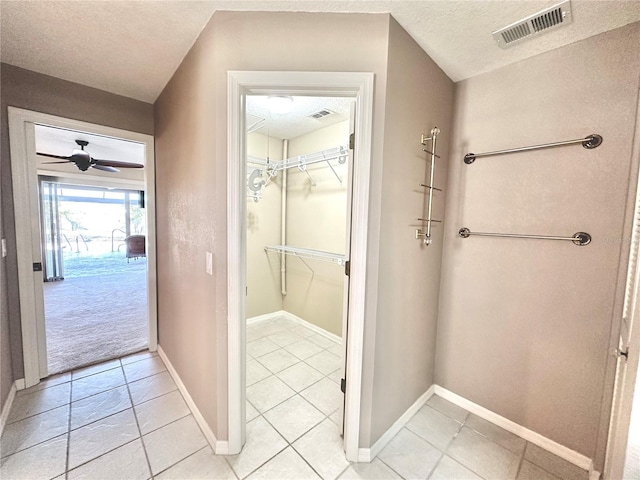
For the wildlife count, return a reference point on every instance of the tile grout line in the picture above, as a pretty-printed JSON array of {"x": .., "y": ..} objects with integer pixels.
[
  {"x": 135, "y": 415},
  {"x": 521, "y": 461}
]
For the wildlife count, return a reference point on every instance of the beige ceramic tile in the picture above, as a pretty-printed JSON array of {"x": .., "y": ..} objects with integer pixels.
[
  {"x": 294, "y": 417},
  {"x": 202, "y": 465},
  {"x": 93, "y": 369},
  {"x": 161, "y": 411},
  {"x": 136, "y": 357},
  {"x": 449, "y": 469},
  {"x": 33, "y": 430},
  {"x": 46, "y": 383},
  {"x": 410, "y": 456},
  {"x": 97, "y": 383},
  {"x": 143, "y": 368},
  {"x": 151, "y": 387},
  {"x": 529, "y": 471},
  {"x": 325, "y": 395},
  {"x": 263, "y": 443},
  {"x": 172, "y": 443},
  {"x": 487, "y": 459},
  {"x": 554, "y": 464},
  {"x": 99, "y": 406},
  {"x": 322, "y": 448},
  {"x": 39, "y": 401},
  {"x": 287, "y": 465},
  {"x": 449, "y": 409},
  {"x": 496, "y": 434},
  {"x": 300, "y": 376},
  {"x": 126, "y": 462},
  {"x": 376, "y": 470},
  {"x": 324, "y": 362},
  {"x": 43, "y": 461},
  {"x": 95, "y": 439},
  {"x": 278, "y": 360},
  {"x": 434, "y": 427},
  {"x": 268, "y": 393}
]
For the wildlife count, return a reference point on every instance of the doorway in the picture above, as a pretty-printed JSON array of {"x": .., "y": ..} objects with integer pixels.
[
  {"x": 26, "y": 168},
  {"x": 299, "y": 169},
  {"x": 95, "y": 289},
  {"x": 358, "y": 86}
]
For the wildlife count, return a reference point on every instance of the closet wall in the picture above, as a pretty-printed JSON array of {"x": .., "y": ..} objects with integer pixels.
[
  {"x": 263, "y": 228},
  {"x": 316, "y": 219},
  {"x": 524, "y": 325}
]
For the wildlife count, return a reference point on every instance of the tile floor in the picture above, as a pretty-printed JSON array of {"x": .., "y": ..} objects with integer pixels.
[{"x": 125, "y": 419}]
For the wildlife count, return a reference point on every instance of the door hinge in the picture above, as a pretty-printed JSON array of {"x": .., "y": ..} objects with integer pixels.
[
  {"x": 37, "y": 266},
  {"x": 347, "y": 268},
  {"x": 352, "y": 141},
  {"x": 622, "y": 353},
  {"x": 343, "y": 385}
]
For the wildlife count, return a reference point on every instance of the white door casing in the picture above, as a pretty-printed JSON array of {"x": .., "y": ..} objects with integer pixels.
[
  {"x": 28, "y": 248},
  {"x": 335, "y": 84}
]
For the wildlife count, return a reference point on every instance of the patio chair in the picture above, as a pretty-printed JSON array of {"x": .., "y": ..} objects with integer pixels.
[{"x": 135, "y": 246}]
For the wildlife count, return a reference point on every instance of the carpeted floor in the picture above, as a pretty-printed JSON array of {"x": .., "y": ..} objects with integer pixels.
[{"x": 94, "y": 318}]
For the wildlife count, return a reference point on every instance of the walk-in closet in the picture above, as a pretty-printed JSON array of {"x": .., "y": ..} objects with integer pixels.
[{"x": 298, "y": 174}]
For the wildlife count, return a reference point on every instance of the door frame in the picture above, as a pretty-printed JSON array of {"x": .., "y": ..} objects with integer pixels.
[
  {"x": 26, "y": 205},
  {"x": 358, "y": 85},
  {"x": 627, "y": 369}
]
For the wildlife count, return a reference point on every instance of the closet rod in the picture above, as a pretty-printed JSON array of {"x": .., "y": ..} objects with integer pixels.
[
  {"x": 580, "y": 238},
  {"x": 592, "y": 141}
]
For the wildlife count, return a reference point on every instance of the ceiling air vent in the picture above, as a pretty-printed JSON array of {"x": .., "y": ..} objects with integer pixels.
[
  {"x": 541, "y": 22},
  {"x": 320, "y": 114}
]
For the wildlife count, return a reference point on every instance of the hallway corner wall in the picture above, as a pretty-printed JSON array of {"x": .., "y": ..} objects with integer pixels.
[
  {"x": 525, "y": 325},
  {"x": 419, "y": 97}
]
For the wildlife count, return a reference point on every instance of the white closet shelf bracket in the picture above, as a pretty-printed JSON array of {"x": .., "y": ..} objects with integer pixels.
[{"x": 308, "y": 253}]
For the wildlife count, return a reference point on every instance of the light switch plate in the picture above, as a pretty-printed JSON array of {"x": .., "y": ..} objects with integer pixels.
[
  {"x": 209, "y": 263},
  {"x": 4, "y": 247}
]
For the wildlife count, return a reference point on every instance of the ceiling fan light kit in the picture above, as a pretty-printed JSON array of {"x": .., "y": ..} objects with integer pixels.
[{"x": 83, "y": 160}]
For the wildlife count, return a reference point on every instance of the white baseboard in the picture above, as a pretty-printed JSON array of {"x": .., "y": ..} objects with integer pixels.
[
  {"x": 547, "y": 444},
  {"x": 368, "y": 454},
  {"x": 21, "y": 384},
  {"x": 6, "y": 408},
  {"x": 265, "y": 317},
  {"x": 298, "y": 320},
  {"x": 219, "y": 447}
]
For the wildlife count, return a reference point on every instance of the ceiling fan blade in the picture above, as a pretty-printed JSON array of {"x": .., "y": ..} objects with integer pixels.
[
  {"x": 105, "y": 168},
  {"x": 53, "y": 156},
  {"x": 52, "y": 163},
  {"x": 115, "y": 163}
]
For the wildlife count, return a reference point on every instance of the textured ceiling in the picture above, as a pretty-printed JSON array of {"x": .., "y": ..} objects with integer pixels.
[
  {"x": 297, "y": 122},
  {"x": 132, "y": 48}
]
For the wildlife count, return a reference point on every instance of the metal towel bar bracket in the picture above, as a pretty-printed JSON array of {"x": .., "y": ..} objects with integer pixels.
[
  {"x": 579, "y": 238},
  {"x": 592, "y": 141}
]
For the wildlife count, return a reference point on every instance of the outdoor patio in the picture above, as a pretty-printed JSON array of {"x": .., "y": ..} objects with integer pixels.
[{"x": 98, "y": 312}]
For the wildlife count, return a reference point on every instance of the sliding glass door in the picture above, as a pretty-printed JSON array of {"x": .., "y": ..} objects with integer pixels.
[{"x": 53, "y": 267}]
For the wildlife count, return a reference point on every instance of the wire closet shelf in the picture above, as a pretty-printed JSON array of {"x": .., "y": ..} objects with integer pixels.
[{"x": 336, "y": 258}]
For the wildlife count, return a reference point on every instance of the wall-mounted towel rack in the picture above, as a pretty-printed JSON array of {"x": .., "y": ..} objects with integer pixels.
[
  {"x": 308, "y": 253},
  {"x": 580, "y": 238},
  {"x": 427, "y": 222},
  {"x": 590, "y": 142}
]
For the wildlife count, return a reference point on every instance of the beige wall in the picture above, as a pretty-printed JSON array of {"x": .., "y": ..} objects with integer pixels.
[
  {"x": 33, "y": 91},
  {"x": 419, "y": 96},
  {"x": 525, "y": 325},
  {"x": 316, "y": 219},
  {"x": 264, "y": 228},
  {"x": 191, "y": 153}
]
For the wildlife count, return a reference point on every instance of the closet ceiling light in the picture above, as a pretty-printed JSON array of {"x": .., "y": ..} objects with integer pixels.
[{"x": 280, "y": 104}]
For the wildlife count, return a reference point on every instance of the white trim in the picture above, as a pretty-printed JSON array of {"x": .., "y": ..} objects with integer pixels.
[
  {"x": 264, "y": 318},
  {"x": 24, "y": 177},
  {"x": 6, "y": 408},
  {"x": 220, "y": 448},
  {"x": 545, "y": 443},
  {"x": 343, "y": 84},
  {"x": 368, "y": 454},
  {"x": 20, "y": 384}
]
